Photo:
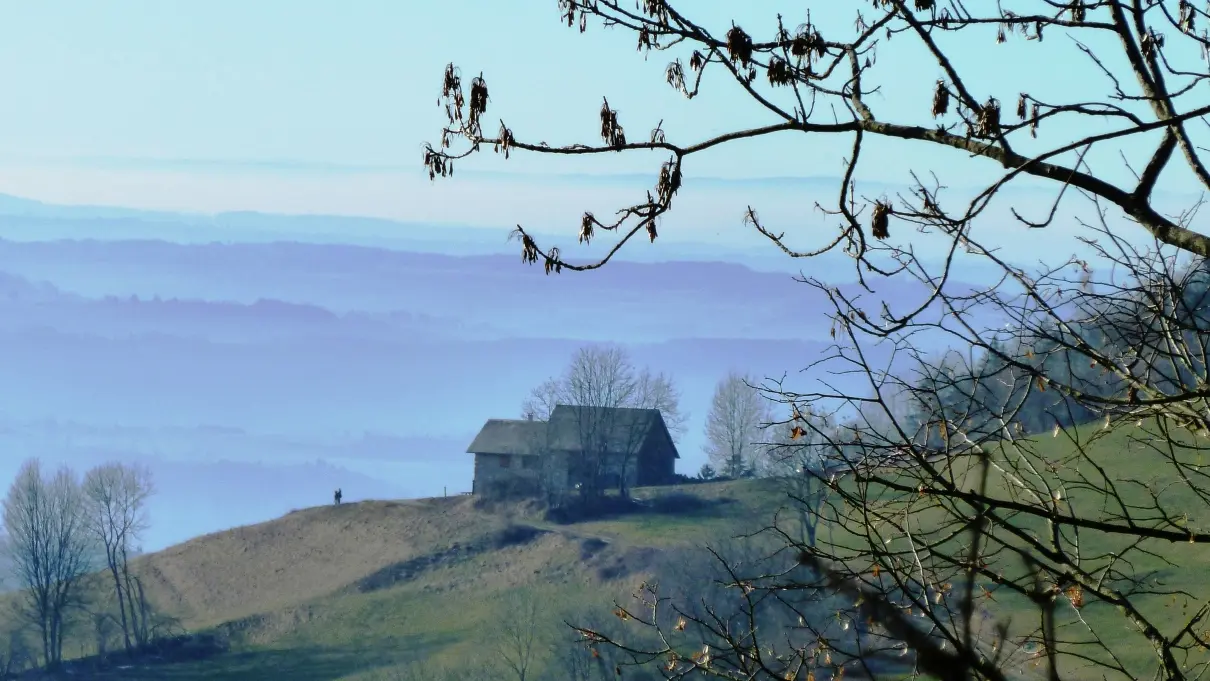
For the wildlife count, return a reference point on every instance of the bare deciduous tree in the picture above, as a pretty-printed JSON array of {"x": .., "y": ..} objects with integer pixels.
[
  {"x": 117, "y": 495},
  {"x": 49, "y": 545},
  {"x": 735, "y": 426},
  {"x": 1036, "y": 510},
  {"x": 604, "y": 376},
  {"x": 601, "y": 378},
  {"x": 518, "y": 639}
]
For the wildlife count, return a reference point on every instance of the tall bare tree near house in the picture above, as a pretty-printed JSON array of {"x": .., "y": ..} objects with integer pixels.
[
  {"x": 601, "y": 378},
  {"x": 604, "y": 376},
  {"x": 1035, "y": 512},
  {"x": 48, "y": 544},
  {"x": 117, "y": 495},
  {"x": 735, "y": 426}
]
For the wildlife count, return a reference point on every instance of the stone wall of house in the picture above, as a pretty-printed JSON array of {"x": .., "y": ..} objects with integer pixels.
[
  {"x": 618, "y": 465},
  {"x": 556, "y": 483},
  {"x": 506, "y": 475},
  {"x": 611, "y": 472}
]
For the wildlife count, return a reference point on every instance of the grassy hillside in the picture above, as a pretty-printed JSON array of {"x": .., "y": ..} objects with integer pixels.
[
  {"x": 363, "y": 590},
  {"x": 1116, "y": 476},
  {"x": 360, "y": 590}
]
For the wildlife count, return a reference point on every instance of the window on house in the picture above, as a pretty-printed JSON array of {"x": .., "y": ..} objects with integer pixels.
[
  {"x": 529, "y": 462},
  {"x": 506, "y": 461}
]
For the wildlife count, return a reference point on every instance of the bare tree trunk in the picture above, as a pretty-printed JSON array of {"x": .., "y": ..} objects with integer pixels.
[
  {"x": 44, "y": 519},
  {"x": 117, "y": 495}
]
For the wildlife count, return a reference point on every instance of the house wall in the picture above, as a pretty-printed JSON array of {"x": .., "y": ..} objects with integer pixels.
[
  {"x": 506, "y": 474},
  {"x": 656, "y": 464},
  {"x": 556, "y": 480},
  {"x": 611, "y": 471},
  {"x": 616, "y": 466}
]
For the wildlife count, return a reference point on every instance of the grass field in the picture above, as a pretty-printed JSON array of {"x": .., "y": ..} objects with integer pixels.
[
  {"x": 1077, "y": 465},
  {"x": 360, "y": 590}
]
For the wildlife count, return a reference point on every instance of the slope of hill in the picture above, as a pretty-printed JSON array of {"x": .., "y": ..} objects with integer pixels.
[{"x": 357, "y": 590}]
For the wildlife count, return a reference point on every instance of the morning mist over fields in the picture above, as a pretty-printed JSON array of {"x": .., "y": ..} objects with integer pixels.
[
  {"x": 257, "y": 361},
  {"x": 255, "y": 364}
]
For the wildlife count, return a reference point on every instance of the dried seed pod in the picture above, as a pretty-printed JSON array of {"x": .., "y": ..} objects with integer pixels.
[
  {"x": 697, "y": 61},
  {"x": 800, "y": 46},
  {"x": 586, "y": 228},
  {"x": 478, "y": 96},
  {"x": 879, "y": 221},
  {"x": 988, "y": 119},
  {"x": 1021, "y": 106},
  {"x": 651, "y": 230},
  {"x": 656, "y": 9},
  {"x": 675, "y": 75},
  {"x": 504, "y": 140},
  {"x": 941, "y": 99},
  {"x": 607, "y": 121},
  {"x": 739, "y": 45},
  {"x": 778, "y": 72},
  {"x": 924, "y": 5},
  {"x": 452, "y": 82},
  {"x": 552, "y": 263},
  {"x": 1033, "y": 121},
  {"x": 611, "y": 131},
  {"x": 657, "y": 133},
  {"x": 529, "y": 249},
  {"x": 437, "y": 164},
  {"x": 1077, "y": 11},
  {"x": 670, "y": 180},
  {"x": 1000, "y": 37}
]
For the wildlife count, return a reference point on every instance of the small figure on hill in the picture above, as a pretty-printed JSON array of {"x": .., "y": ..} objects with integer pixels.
[{"x": 337, "y": 496}]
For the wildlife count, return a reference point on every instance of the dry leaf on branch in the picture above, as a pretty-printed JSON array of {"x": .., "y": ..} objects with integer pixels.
[{"x": 879, "y": 221}]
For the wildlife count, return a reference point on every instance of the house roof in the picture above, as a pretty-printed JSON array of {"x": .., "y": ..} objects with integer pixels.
[
  {"x": 620, "y": 428},
  {"x": 510, "y": 436}
]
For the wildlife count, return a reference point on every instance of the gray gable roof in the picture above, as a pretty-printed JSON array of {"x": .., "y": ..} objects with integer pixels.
[
  {"x": 510, "y": 436},
  {"x": 619, "y": 429},
  {"x": 572, "y": 428}
]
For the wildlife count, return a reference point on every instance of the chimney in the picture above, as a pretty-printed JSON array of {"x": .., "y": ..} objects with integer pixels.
[{"x": 529, "y": 416}]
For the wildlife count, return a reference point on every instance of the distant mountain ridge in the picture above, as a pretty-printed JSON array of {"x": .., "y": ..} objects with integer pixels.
[
  {"x": 673, "y": 299},
  {"x": 31, "y": 220}
]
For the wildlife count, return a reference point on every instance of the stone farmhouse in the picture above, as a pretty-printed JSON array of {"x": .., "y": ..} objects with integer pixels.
[{"x": 578, "y": 448}]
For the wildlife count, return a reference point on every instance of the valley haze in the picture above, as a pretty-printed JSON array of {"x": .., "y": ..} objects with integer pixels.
[{"x": 256, "y": 363}]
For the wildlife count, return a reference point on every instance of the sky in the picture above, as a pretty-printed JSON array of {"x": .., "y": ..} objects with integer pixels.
[{"x": 304, "y": 106}]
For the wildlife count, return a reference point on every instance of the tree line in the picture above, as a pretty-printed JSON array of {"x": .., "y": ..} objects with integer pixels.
[{"x": 69, "y": 541}]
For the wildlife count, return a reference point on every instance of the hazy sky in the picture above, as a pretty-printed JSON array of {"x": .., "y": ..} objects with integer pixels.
[{"x": 320, "y": 106}]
